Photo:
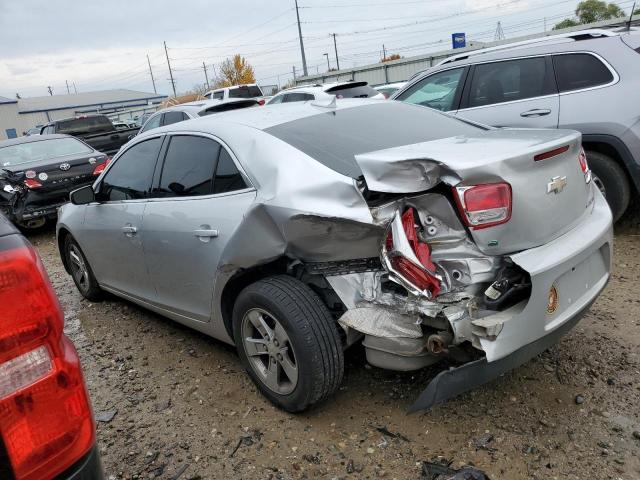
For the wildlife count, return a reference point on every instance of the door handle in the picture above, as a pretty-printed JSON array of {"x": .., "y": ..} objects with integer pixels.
[
  {"x": 129, "y": 230},
  {"x": 206, "y": 233},
  {"x": 536, "y": 112}
]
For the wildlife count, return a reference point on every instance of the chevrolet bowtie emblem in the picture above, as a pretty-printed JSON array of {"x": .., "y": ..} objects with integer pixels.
[{"x": 557, "y": 184}]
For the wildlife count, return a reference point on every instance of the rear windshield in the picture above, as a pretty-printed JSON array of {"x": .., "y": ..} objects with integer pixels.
[
  {"x": 225, "y": 107},
  {"x": 353, "y": 91},
  {"x": 245, "y": 92},
  {"x": 41, "y": 150},
  {"x": 84, "y": 125},
  {"x": 335, "y": 137}
]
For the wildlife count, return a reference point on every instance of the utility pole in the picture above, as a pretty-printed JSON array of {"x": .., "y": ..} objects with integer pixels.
[
  {"x": 173, "y": 83},
  {"x": 384, "y": 52},
  {"x": 74, "y": 87},
  {"x": 499, "y": 35},
  {"x": 545, "y": 24},
  {"x": 294, "y": 75},
  {"x": 335, "y": 46},
  {"x": 633, "y": 9},
  {"x": 50, "y": 90},
  {"x": 304, "y": 59},
  {"x": 151, "y": 73},
  {"x": 206, "y": 77},
  {"x": 68, "y": 91},
  {"x": 327, "y": 55}
]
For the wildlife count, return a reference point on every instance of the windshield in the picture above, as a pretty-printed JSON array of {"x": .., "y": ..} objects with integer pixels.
[
  {"x": 246, "y": 91},
  {"x": 40, "y": 150}
]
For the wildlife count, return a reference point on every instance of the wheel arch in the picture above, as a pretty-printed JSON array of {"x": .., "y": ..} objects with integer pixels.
[
  {"x": 614, "y": 148},
  {"x": 61, "y": 237}
]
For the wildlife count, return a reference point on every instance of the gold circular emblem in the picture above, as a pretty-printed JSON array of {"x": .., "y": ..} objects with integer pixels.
[{"x": 552, "y": 303}]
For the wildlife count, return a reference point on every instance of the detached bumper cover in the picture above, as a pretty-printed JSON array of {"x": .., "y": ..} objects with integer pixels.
[
  {"x": 456, "y": 381},
  {"x": 577, "y": 264}
]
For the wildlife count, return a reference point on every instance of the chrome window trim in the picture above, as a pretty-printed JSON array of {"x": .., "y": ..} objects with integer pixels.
[{"x": 511, "y": 102}]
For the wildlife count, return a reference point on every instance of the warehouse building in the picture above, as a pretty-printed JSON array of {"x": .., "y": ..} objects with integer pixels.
[{"x": 19, "y": 115}]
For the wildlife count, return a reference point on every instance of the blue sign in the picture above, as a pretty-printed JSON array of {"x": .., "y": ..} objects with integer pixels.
[{"x": 458, "y": 40}]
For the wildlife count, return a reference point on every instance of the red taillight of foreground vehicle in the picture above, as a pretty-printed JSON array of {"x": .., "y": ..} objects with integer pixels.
[
  {"x": 422, "y": 276},
  {"x": 485, "y": 205},
  {"x": 45, "y": 415},
  {"x": 584, "y": 166},
  {"x": 31, "y": 183},
  {"x": 261, "y": 102},
  {"x": 101, "y": 166}
]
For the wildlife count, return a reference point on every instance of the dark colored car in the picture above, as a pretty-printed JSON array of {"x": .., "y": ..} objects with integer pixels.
[
  {"x": 38, "y": 172},
  {"x": 95, "y": 130},
  {"x": 46, "y": 424}
]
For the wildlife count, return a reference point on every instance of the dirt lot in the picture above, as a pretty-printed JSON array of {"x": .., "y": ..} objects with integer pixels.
[{"x": 183, "y": 408}]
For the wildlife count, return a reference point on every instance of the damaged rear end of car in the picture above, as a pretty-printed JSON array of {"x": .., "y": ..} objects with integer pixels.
[{"x": 492, "y": 245}]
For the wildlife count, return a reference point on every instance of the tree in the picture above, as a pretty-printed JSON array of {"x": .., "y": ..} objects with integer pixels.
[
  {"x": 235, "y": 71},
  {"x": 589, "y": 11},
  {"x": 389, "y": 58},
  {"x": 569, "y": 22}
]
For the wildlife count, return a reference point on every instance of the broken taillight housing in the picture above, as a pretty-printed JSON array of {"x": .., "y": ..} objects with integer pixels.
[
  {"x": 101, "y": 166},
  {"x": 484, "y": 205},
  {"x": 409, "y": 258},
  {"x": 584, "y": 166},
  {"x": 32, "y": 183},
  {"x": 45, "y": 415}
]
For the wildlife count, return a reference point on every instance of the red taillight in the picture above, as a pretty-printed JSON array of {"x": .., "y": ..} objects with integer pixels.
[
  {"x": 45, "y": 415},
  {"x": 420, "y": 275},
  {"x": 582, "y": 158},
  {"x": 32, "y": 183},
  {"x": 101, "y": 166},
  {"x": 484, "y": 205},
  {"x": 261, "y": 101},
  {"x": 551, "y": 153}
]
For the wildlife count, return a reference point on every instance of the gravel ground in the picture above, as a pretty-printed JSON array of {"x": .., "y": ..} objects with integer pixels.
[{"x": 172, "y": 403}]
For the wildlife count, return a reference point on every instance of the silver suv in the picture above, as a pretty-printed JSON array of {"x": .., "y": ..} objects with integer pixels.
[{"x": 586, "y": 81}]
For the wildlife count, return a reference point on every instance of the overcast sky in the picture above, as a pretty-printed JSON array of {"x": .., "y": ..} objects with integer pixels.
[{"x": 103, "y": 44}]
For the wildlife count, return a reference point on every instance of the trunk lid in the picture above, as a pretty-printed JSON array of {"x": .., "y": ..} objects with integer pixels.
[
  {"x": 550, "y": 196},
  {"x": 61, "y": 174}
]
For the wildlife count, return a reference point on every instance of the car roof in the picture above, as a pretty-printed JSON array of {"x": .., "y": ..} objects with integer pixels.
[{"x": 31, "y": 139}]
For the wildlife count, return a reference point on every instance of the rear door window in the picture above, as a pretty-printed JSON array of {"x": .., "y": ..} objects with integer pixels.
[
  {"x": 218, "y": 95},
  {"x": 575, "y": 71},
  {"x": 174, "y": 117},
  {"x": 188, "y": 168},
  {"x": 509, "y": 80},
  {"x": 131, "y": 176},
  {"x": 436, "y": 91},
  {"x": 228, "y": 177},
  {"x": 297, "y": 97}
]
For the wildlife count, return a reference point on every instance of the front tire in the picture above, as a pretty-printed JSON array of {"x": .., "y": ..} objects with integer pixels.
[
  {"x": 288, "y": 342},
  {"x": 81, "y": 271},
  {"x": 612, "y": 181}
]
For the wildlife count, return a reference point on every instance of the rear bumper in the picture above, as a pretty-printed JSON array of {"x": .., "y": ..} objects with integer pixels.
[
  {"x": 88, "y": 467},
  {"x": 577, "y": 264}
]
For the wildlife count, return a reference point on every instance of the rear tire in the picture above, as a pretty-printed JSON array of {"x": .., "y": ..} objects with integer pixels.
[
  {"x": 612, "y": 181},
  {"x": 81, "y": 271},
  {"x": 295, "y": 336}
]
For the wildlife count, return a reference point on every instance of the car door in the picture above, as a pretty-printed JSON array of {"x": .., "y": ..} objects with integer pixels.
[
  {"x": 112, "y": 236},
  {"x": 440, "y": 90},
  {"x": 512, "y": 93},
  {"x": 200, "y": 199}
]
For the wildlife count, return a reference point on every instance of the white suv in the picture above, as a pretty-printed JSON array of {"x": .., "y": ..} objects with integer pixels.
[
  {"x": 250, "y": 90},
  {"x": 327, "y": 91}
]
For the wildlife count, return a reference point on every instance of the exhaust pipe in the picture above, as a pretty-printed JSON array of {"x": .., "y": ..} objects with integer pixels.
[{"x": 437, "y": 343}]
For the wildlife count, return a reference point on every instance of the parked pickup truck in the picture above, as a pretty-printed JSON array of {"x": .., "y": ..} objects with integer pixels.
[{"x": 95, "y": 130}]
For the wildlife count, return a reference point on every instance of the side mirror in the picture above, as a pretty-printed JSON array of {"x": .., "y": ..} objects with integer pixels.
[{"x": 83, "y": 196}]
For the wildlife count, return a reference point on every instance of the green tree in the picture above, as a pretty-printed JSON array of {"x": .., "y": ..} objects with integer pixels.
[
  {"x": 569, "y": 22},
  {"x": 589, "y": 11}
]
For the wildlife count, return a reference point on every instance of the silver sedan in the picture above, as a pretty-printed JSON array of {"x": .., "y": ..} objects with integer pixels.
[{"x": 295, "y": 231}]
